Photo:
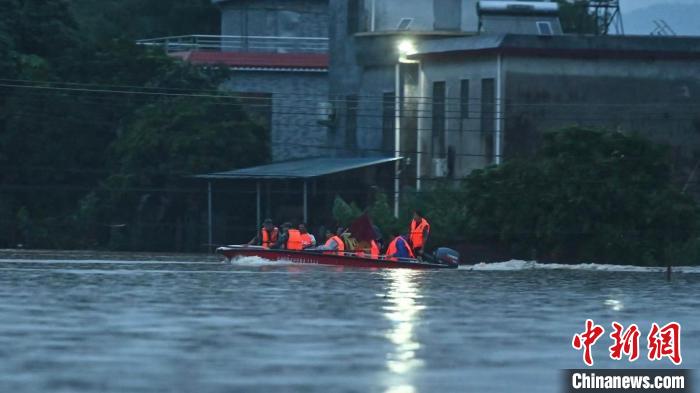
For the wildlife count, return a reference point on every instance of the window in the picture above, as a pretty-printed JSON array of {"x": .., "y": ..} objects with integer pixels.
[
  {"x": 488, "y": 115},
  {"x": 438, "y": 136},
  {"x": 544, "y": 28},
  {"x": 351, "y": 105},
  {"x": 388, "y": 121},
  {"x": 464, "y": 99},
  {"x": 353, "y": 16}
]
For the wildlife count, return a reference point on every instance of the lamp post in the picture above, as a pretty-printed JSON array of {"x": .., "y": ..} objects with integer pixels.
[{"x": 405, "y": 48}]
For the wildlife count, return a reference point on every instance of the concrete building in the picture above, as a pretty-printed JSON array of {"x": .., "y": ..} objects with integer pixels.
[
  {"x": 479, "y": 82},
  {"x": 277, "y": 51},
  {"x": 448, "y": 85},
  {"x": 505, "y": 90}
]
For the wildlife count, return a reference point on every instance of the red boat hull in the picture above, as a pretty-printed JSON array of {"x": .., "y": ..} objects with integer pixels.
[{"x": 319, "y": 258}]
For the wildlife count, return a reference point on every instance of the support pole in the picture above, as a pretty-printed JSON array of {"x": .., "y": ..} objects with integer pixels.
[
  {"x": 209, "y": 215},
  {"x": 258, "y": 207},
  {"x": 499, "y": 110},
  {"x": 306, "y": 202},
  {"x": 397, "y": 138}
]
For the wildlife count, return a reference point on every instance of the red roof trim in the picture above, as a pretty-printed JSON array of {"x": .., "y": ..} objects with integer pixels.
[{"x": 248, "y": 59}]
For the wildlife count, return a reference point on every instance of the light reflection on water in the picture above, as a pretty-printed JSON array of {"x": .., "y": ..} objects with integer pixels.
[{"x": 403, "y": 310}]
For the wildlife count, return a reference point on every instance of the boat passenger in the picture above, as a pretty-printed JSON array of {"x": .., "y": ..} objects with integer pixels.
[
  {"x": 294, "y": 241},
  {"x": 372, "y": 251},
  {"x": 419, "y": 232},
  {"x": 333, "y": 243},
  {"x": 307, "y": 239},
  {"x": 399, "y": 247},
  {"x": 268, "y": 235},
  {"x": 281, "y": 242}
]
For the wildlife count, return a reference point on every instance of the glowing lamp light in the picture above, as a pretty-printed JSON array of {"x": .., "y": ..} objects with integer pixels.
[{"x": 407, "y": 48}]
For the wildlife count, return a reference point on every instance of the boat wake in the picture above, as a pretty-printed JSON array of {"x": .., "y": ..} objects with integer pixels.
[
  {"x": 515, "y": 265},
  {"x": 257, "y": 261}
]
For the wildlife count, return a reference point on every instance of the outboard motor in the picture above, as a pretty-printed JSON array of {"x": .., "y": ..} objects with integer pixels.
[{"x": 447, "y": 256}]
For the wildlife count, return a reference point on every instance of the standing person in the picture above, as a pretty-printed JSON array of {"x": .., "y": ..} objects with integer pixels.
[
  {"x": 268, "y": 235},
  {"x": 307, "y": 239},
  {"x": 399, "y": 247},
  {"x": 419, "y": 232}
]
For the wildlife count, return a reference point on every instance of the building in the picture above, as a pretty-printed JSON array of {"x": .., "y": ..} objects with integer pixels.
[
  {"x": 277, "y": 51},
  {"x": 505, "y": 90},
  {"x": 443, "y": 87}
]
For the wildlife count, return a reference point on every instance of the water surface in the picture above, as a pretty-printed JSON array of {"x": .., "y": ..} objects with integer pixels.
[{"x": 155, "y": 326}]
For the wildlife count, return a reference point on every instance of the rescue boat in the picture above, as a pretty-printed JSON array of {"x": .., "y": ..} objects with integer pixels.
[{"x": 444, "y": 258}]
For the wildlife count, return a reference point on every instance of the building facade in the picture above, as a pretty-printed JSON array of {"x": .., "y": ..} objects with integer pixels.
[{"x": 503, "y": 92}]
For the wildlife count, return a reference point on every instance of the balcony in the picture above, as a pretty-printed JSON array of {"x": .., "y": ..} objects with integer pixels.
[{"x": 225, "y": 43}]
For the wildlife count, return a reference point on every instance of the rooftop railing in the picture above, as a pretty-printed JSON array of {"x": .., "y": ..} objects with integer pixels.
[{"x": 232, "y": 43}]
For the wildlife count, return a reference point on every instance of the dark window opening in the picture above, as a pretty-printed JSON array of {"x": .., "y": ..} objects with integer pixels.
[
  {"x": 488, "y": 115},
  {"x": 464, "y": 99},
  {"x": 351, "y": 122},
  {"x": 353, "y": 16},
  {"x": 388, "y": 122},
  {"x": 438, "y": 144}
]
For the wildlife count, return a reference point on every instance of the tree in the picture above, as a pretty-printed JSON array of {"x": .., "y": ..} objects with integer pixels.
[
  {"x": 576, "y": 19},
  {"x": 587, "y": 195}
]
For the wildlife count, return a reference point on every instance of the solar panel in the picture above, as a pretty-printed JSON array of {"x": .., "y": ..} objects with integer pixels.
[{"x": 404, "y": 23}]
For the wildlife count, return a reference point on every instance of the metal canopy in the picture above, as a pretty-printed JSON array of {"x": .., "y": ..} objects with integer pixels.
[
  {"x": 304, "y": 170},
  {"x": 300, "y": 169}
]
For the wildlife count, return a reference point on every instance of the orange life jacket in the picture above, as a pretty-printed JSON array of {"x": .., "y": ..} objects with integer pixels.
[
  {"x": 417, "y": 232},
  {"x": 294, "y": 241},
  {"x": 268, "y": 239},
  {"x": 391, "y": 250},
  {"x": 374, "y": 249},
  {"x": 306, "y": 240},
  {"x": 338, "y": 240}
]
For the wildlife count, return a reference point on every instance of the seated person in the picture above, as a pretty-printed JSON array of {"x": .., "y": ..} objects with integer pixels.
[
  {"x": 281, "y": 242},
  {"x": 307, "y": 239},
  {"x": 333, "y": 243},
  {"x": 399, "y": 247},
  {"x": 268, "y": 235}
]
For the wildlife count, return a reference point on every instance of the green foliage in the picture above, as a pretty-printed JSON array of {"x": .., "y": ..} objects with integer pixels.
[
  {"x": 345, "y": 213},
  {"x": 135, "y": 19},
  {"x": 382, "y": 215},
  {"x": 575, "y": 18},
  {"x": 586, "y": 196},
  {"x": 89, "y": 161}
]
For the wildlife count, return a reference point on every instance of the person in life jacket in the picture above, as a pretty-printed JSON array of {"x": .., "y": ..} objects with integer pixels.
[
  {"x": 334, "y": 243},
  {"x": 307, "y": 239},
  {"x": 283, "y": 238},
  {"x": 268, "y": 235},
  {"x": 419, "y": 232},
  {"x": 299, "y": 239},
  {"x": 399, "y": 247},
  {"x": 372, "y": 251}
]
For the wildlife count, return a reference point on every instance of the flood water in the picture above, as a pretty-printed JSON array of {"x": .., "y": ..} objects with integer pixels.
[{"x": 160, "y": 326}]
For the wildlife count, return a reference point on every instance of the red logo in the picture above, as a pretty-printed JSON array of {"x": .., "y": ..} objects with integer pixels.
[
  {"x": 665, "y": 342},
  {"x": 587, "y": 339},
  {"x": 662, "y": 342},
  {"x": 625, "y": 343}
]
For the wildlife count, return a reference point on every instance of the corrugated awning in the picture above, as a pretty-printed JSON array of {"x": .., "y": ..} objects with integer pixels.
[{"x": 301, "y": 169}]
